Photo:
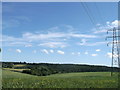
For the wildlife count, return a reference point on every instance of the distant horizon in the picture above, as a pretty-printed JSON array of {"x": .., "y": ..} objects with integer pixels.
[{"x": 56, "y": 63}]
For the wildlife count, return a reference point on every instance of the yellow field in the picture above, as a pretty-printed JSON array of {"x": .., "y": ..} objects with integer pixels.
[{"x": 16, "y": 70}]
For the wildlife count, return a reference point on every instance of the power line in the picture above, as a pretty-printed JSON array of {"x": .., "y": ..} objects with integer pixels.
[
  {"x": 90, "y": 12},
  {"x": 87, "y": 12},
  {"x": 99, "y": 13}
]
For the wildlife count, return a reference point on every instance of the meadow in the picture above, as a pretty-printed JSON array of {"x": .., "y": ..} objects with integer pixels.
[{"x": 12, "y": 79}]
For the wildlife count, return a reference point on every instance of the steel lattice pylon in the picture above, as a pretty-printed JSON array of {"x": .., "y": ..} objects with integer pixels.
[{"x": 115, "y": 48}]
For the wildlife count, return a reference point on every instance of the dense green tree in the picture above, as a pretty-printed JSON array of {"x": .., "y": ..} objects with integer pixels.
[
  {"x": 7, "y": 65},
  {"x": 43, "y": 69}
]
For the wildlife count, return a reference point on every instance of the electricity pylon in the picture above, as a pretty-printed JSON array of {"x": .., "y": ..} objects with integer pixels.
[{"x": 115, "y": 48}]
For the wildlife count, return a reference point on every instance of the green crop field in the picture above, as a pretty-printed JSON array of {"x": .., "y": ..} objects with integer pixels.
[{"x": 67, "y": 80}]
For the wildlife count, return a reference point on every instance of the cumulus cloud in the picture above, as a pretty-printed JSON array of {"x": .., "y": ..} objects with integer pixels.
[
  {"x": 109, "y": 25},
  {"x": 109, "y": 54},
  {"x": 115, "y": 23},
  {"x": 73, "y": 53},
  {"x": 52, "y": 51},
  {"x": 18, "y": 51},
  {"x": 45, "y": 51},
  {"x": 86, "y": 52},
  {"x": 60, "y": 52},
  {"x": 78, "y": 53},
  {"x": 98, "y": 50},
  {"x": 94, "y": 55}
]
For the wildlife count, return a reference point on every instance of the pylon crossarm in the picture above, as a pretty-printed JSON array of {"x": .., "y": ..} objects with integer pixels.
[
  {"x": 109, "y": 30},
  {"x": 117, "y": 36},
  {"x": 112, "y": 43}
]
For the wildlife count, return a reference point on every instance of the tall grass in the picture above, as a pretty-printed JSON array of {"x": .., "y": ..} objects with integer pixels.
[{"x": 67, "y": 80}]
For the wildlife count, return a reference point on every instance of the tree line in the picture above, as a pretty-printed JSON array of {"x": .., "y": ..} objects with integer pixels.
[{"x": 43, "y": 69}]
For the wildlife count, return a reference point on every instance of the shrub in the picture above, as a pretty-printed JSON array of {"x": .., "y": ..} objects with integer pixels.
[
  {"x": 40, "y": 71},
  {"x": 26, "y": 71}
]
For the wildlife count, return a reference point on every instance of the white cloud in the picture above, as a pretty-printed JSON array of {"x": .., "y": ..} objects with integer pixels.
[
  {"x": 98, "y": 24},
  {"x": 73, "y": 53},
  {"x": 107, "y": 22},
  {"x": 86, "y": 52},
  {"x": 94, "y": 55},
  {"x": 92, "y": 44},
  {"x": 83, "y": 42},
  {"x": 48, "y": 39},
  {"x": 60, "y": 52},
  {"x": 98, "y": 50},
  {"x": 82, "y": 35},
  {"x": 45, "y": 51},
  {"x": 48, "y": 36},
  {"x": 39, "y": 36},
  {"x": 115, "y": 23},
  {"x": 109, "y": 54},
  {"x": 18, "y": 51},
  {"x": 28, "y": 45},
  {"x": 52, "y": 51},
  {"x": 78, "y": 53},
  {"x": 54, "y": 44},
  {"x": 9, "y": 38},
  {"x": 109, "y": 25},
  {"x": 101, "y": 31},
  {"x": 13, "y": 41}
]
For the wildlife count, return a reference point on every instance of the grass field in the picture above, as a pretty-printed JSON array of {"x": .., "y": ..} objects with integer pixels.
[
  {"x": 19, "y": 65},
  {"x": 16, "y": 70},
  {"x": 68, "y": 80}
]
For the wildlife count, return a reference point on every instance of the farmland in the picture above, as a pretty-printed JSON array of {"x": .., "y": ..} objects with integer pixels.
[{"x": 64, "y": 80}]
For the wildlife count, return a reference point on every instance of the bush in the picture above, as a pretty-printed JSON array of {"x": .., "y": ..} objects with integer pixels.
[
  {"x": 7, "y": 65},
  {"x": 40, "y": 71},
  {"x": 26, "y": 71}
]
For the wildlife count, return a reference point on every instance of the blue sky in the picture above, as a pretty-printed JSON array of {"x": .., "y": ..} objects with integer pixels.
[{"x": 58, "y": 32}]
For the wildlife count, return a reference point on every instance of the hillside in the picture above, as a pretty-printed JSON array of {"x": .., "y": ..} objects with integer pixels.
[
  {"x": 67, "y": 80},
  {"x": 59, "y": 68}
]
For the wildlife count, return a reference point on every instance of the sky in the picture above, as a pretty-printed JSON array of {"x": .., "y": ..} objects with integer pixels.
[{"x": 58, "y": 32}]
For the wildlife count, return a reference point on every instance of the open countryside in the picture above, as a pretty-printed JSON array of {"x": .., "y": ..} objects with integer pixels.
[{"x": 59, "y": 45}]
